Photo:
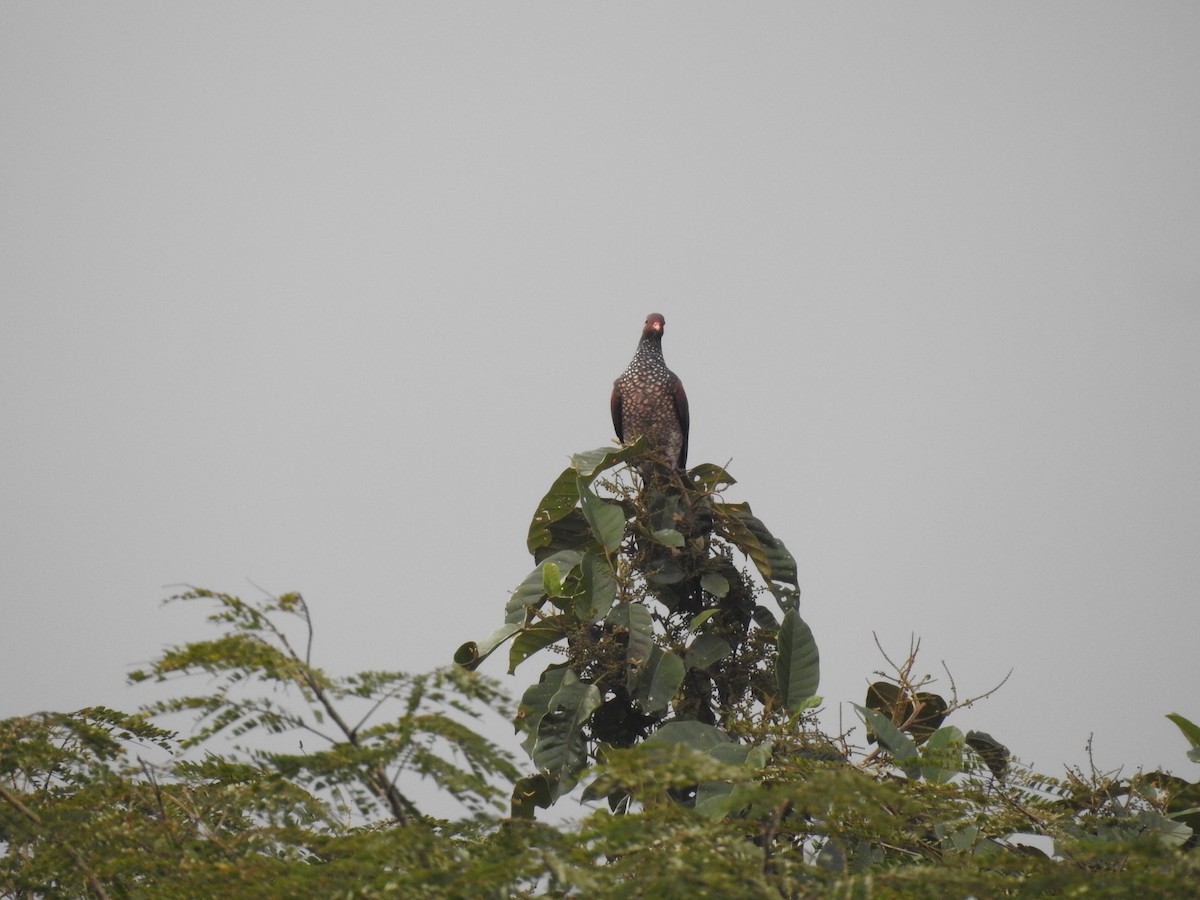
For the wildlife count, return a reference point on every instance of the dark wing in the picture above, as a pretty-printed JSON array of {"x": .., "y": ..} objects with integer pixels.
[
  {"x": 681, "y": 411},
  {"x": 615, "y": 405}
]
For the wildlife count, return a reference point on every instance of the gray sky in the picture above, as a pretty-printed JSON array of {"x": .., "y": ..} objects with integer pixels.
[{"x": 322, "y": 297}]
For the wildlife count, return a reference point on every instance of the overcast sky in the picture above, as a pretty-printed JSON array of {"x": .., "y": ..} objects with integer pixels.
[{"x": 323, "y": 297}]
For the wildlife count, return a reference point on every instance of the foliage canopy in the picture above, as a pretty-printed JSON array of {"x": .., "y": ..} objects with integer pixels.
[{"x": 678, "y": 699}]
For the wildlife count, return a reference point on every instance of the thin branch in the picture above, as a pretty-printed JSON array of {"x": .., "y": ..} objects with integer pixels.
[
  {"x": 390, "y": 695},
  {"x": 76, "y": 857}
]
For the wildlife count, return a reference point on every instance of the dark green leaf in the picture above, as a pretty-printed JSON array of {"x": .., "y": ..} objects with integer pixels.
[
  {"x": 548, "y": 631},
  {"x": 1190, "y": 729},
  {"x": 471, "y": 654},
  {"x": 994, "y": 754},
  {"x": 530, "y": 793},
  {"x": 598, "y": 589},
  {"x": 532, "y": 591},
  {"x": 770, "y": 556},
  {"x": 941, "y": 755},
  {"x": 668, "y": 537},
  {"x": 558, "y": 503},
  {"x": 690, "y": 733},
  {"x": 658, "y": 680},
  {"x": 706, "y": 650},
  {"x": 798, "y": 664},
  {"x": 895, "y": 741},
  {"x": 607, "y": 520},
  {"x": 560, "y": 750},
  {"x": 717, "y": 585},
  {"x": 635, "y": 620},
  {"x": 538, "y": 699},
  {"x": 706, "y": 478}
]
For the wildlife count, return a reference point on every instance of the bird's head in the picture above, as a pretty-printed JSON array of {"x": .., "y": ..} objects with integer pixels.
[{"x": 654, "y": 325}]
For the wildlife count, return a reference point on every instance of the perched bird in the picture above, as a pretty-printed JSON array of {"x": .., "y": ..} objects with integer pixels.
[{"x": 648, "y": 399}]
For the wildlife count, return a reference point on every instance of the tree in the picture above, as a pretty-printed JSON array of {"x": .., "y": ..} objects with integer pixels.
[
  {"x": 678, "y": 697},
  {"x": 664, "y": 634},
  {"x": 82, "y": 811}
]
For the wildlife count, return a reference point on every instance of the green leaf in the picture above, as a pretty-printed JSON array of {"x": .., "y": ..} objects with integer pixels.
[
  {"x": 636, "y": 621},
  {"x": 941, "y": 755},
  {"x": 706, "y": 478},
  {"x": 607, "y": 520},
  {"x": 471, "y": 654},
  {"x": 1190, "y": 730},
  {"x": 895, "y": 741},
  {"x": 929, "y": 719},
  {"x": 993, "y": 753},
  {"x": 658, "y": 680},
  {"x": 532, "y": 591},
  {"x": 548, "y": 631},
  {"x": 706, "y": 650},
  {"x": 797, "y": 664},
  {"x": 890, "y": 700},
  {"x": 558, "y": 503},
  {"x": 769, "y": 555},
  {"x": 591, "y": 463},
  {"x": 537, "y": 701},
  {"x": 690, "y": 733},
  {"x": 560, "y": 750},
  {"x": 717, "y": 585},
  {"x": 668, "y": 537},
  {"x": 598, "y": 589},
  {"x": 703, "y": 617},
  {"x": 552, "y": 525},
  {"x": 1168, "y": 830},
  {"x": 551, "y": 579},
  {"x": 530, "y": 793}
]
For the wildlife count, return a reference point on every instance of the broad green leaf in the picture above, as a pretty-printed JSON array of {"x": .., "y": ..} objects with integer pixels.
[
  {"x": 530, "y": 793},
  {"x": 732, "y": 754},
  {"x": 1171, "y": 832},
  {"x": 532, "y": 591},
  {"x": 591, "y": 463},
  {"x": 994, "y": 754},
  {"x": 471, "y": 654},
  {"x": 714, "y": 799},
  {"x": 551, "y": 579},
  {"x": 929, "y": 719},
  {"x": 606, "y": 519},
  {"x": 690, "y": 733},
  {"x": 658, "y": 680},
  {"x": 571, "y": 532},
  {"x": 599, "y": 589},
  {"x": 706, "y": 478},
  {"x": 560, "y": 750},
  {"x": 797, "y": 663},
  {"x": 706, "y": 650},
  {"x": 718, "y": 799},
  {"x": 668, "y": 537},
  {"x": 769, "y": 555},
  {"x": 717, "y": 585},
  {"x": 901, "y": 708},
  {"x": 537, "y": 701},
  {"x": 534, "y": 638},
  {"x": 1190, "y": 729},
  {"x": 560, "y": 502},
  {"x": 635, "y": 619},
  {"x": 703, "y": 617},
  {"x": 895, "y": 741},
  {"x": 941, "y": 755},
  {"x": 557, "y": 504}
]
